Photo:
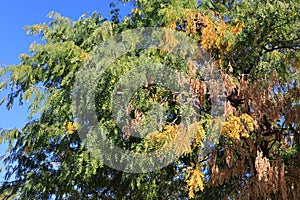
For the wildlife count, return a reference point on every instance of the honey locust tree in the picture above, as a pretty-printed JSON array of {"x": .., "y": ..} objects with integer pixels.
[{"x": 255, "y": 46}]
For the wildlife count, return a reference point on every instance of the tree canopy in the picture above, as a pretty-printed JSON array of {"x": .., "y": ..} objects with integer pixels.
[{"x": 255, "y": 48}]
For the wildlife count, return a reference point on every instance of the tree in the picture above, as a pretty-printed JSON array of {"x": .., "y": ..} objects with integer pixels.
[{"x": 255, "y": 46}]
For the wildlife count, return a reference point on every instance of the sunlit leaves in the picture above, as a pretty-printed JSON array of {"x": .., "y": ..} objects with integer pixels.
[
  {"x": 219, "y": 35},
  {"x": 71, "y": 127},
  {"x": 194, "y": 179},
  {"x": 256, "y": 47},
  {"x": 237, "y": 127}
]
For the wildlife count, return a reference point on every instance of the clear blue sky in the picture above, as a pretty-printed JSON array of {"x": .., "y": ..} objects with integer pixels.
[{"x": 14, "y": 15}]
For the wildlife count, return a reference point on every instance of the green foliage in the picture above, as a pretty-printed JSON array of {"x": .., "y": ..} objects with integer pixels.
[{"x": 256, "y": 46}]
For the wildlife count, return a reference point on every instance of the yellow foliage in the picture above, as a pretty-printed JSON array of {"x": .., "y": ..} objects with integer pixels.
[
  {"x": 136, "y": 11},
  {"x": 214, "y": 34},
  {"x": 196, "y": 129},
  {"x": 164, "y": 137},
  {"x": 237, "y": 28},
  {"x": 84, "y": 56},
  {"x": 171, "y": 137},
  {"x": 239, "y": 126},
  {"x": 194, "y": 179},
  {"x": 71, "y": 127},
  {"x": 169, "y": 128},
  {"x": 251, "y": 124},
  {"x": 200, "y": 134},
  {"x": 233, "y": 127},
  {"x": 36, "y": 27}
]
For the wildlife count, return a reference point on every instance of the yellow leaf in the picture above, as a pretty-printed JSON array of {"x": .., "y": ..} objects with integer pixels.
[
  {"x": 84, "y": 56},
  {"x": 194, "y": 180},
  {"x": 71, "y": 127},
  {"x": 169, "y": 128}
]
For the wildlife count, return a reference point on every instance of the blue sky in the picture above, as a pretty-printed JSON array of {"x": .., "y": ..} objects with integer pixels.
[{"x": 14, "y": 15}]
